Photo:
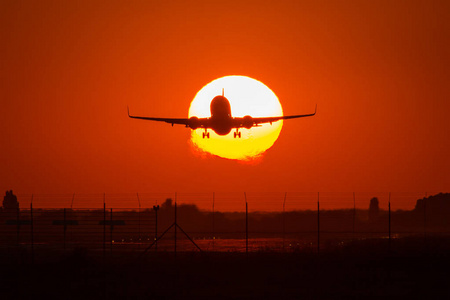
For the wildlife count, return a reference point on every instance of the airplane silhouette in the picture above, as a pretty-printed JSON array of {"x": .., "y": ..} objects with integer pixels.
[{"x": 221, "y": 121}]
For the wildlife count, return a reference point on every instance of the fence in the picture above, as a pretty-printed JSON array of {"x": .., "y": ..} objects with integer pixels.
[{"x": 217, "y": 222}]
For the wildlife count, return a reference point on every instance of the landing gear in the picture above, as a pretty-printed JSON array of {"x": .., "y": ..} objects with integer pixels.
[
  {"x": 206, "y": 134},
  {"x": 237, "y": 133}
]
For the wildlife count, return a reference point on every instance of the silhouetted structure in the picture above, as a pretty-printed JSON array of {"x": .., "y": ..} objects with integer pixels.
[
  {"x": 438, "y": 203},
  {"x": 435, "y": 209},
  {"x": 10, "y": 201},
  {"x": 167, "y": 204},
  {"x": 374, "y": 209}
]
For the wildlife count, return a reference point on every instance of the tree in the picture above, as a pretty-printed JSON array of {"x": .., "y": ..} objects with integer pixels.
[
  {"x": 374, "y": 209},
  {"x": 10, "y": 201}
]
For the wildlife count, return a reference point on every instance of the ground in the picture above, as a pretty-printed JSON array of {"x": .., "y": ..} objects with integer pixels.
[{"x": 366, "y": 269}]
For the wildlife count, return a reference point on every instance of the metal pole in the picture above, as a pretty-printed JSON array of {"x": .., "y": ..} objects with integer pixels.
[
  {"x": 156, "y": 230},
  {"x": 32, "y": 230},
  {"x": 425, "y": 216},
  {"x": 213, "y": 229},
  {"x": 104, "y": 229},
  {"x": 175, "y": 235},
  {"x": 18, "y": 225},
  {"x": 246, "y": 224},
  {"x": 64, "y": 228},
  {"x": 189, "y": 238},
  {"x": 111, "y": 227},
  {"x": 139, "y": 220},
  {"x": 354, "y": 213},
  {"x": 284, "y": 219},
  {"x": 318, "y": 224},
  {"x": 155, "y": 208},
  {"x": 389, "y": 221}
]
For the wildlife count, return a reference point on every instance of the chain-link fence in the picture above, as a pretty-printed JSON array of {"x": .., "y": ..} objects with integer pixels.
[{"x": 220, "y": 221}]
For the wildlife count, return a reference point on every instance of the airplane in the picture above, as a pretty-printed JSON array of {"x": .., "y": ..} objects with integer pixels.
[{"x": 221, "y": 121}]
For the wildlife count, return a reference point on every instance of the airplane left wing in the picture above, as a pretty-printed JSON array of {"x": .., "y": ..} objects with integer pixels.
[
  {"x": 167, "y": 120},
  {"x": 192, "y": 122}
]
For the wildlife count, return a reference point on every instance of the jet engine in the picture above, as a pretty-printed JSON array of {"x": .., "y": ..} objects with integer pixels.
[
  {"x": 193, "y": 122},
  {"x": 247, "y": 122}
]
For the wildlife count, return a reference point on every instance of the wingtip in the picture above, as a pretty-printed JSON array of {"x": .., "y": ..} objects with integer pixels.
[
  {"x": 315, "y": 110},
  {"x": 128, "y": 110}
]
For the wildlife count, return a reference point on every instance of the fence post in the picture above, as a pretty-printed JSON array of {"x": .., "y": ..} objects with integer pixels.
[
  {"x": 318, "y": 224},
  {"x": 104, "y": 226},
  {"x": 111, "y": 227},
  {"x": 139, "y": 221},
  {"x": 389, "y": 222},
  {"x": 175, "y": 235},
  {"x": 354, "y": 214},
  {"x": 425, "y": 217},
  {"x": 32, "y": 230},
  {"x": 213, "y": 229},
  {"x": 246, "y": 224},
  {"x": 64, "y": 228},
  {"x": 284, "y": 219},
  {"x": 18, "y": 225},
  {"x": 155, "y": 208}
]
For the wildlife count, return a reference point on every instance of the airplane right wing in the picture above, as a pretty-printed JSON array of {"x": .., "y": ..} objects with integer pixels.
[
  {"x": 274, "y": 119},
  {"x": 250, "y": 122}
]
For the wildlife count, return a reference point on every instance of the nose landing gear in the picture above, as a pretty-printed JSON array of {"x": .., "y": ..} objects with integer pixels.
[
  {"x": 237, "y": 133},
  {"x": 206, "y": 134}
]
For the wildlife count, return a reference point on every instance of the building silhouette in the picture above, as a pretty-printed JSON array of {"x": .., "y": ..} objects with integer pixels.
[{"x": 10, "y": 201}]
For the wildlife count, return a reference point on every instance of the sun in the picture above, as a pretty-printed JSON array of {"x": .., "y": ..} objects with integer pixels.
[{"x": 247, "y": 96}]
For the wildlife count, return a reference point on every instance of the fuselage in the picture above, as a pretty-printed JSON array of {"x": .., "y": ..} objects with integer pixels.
[{"x": 221, "y": 119}]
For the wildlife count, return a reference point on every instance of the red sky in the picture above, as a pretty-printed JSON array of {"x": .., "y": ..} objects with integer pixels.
[{"x": 378, "y": 70}]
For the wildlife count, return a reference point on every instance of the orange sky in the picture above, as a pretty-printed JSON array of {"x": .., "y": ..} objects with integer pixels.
[{"x": 378, "y": 70}]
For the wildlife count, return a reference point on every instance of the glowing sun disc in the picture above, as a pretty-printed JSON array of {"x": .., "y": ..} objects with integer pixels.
[{"x": 247, "y": 96}]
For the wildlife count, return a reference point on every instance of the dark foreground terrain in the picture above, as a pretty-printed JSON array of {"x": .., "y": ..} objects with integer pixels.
[{"x": 361, "y": 270}]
